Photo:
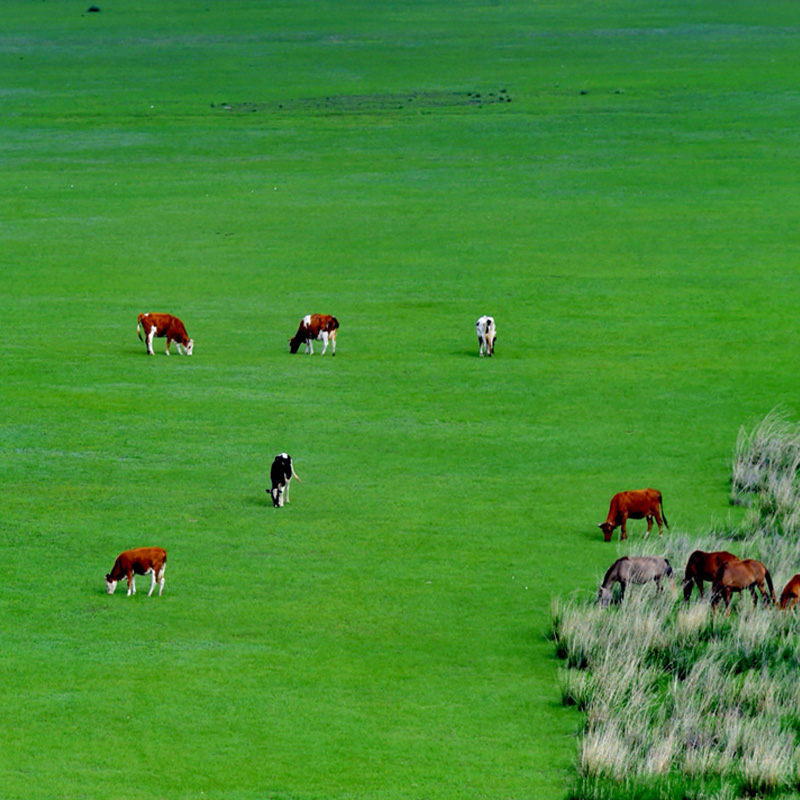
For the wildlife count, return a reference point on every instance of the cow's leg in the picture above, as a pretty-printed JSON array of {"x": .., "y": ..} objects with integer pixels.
[
  {"x": 649, "y": 526},
  {"x": 179, "y": 348},
  {"x": 152, "y": 581},
  {"x": 288, "y": 481},
  {"x": 169, "y": 342},
  {"x": 658, "y": 522},
  {"x": 149, "y": 340},
  {"x": 310, "y": 346},
  {"x": 161, "y": 579},
  {"x": 324, "y": 336},
  {"x": 623, "y": 532},
  {"x": 333, "y": 343},
  {"x": 131, "y": 584}
]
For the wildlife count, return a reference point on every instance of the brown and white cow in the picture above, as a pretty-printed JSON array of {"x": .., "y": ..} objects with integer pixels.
[
  {"x": 638, "y": 504},
  {"x": 315, "y": 326},
  {"x": 163, "y": 325},
  {"x": 487, "y": 333},
  {"x": 139, "y": 561}
]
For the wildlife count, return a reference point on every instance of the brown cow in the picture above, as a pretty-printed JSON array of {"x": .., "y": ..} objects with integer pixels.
[
  {"x": 139, "y": 561},
  {"x": 703, "y": 567},
  {"x": 736, "y": 576},
  {"x": 315, "y": 326},
  {"x": 162, "y": 325},
  {"x": 791, "y": 593},
  {"x": 638, "y": 504}
]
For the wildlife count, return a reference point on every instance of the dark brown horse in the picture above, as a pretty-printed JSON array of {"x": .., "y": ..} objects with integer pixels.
[
  {"x": 701, "y": 567},
  {"x": 736, "y": 576},
  {"x": 791, "y": 593}
]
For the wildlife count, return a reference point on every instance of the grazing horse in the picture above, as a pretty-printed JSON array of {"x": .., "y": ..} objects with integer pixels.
[
  {"x": 736, "y": 576},
  {"x": 633, "y": 569},
  {"x": 791, "y": 593},
  {"x": 703, "y": 567}
]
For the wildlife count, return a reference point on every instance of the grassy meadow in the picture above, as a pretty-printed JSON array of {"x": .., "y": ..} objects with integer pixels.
[{"x": 615, "y": 182}]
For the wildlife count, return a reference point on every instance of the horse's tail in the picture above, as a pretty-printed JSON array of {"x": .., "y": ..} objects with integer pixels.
[
  {"x": 663, "y": 513},
  {"x": 669, "y": 571},
  {"x": 768, "y": 578}
]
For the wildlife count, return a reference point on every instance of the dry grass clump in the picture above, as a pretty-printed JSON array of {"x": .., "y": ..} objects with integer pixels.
[{"x": 683, "y": 702}]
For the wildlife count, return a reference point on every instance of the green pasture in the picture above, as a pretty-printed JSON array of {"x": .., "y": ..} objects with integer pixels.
[{"x": 616, "y": 182}]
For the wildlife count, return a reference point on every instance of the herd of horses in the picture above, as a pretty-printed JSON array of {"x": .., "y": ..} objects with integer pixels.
[{"x": 726, "y": 572}]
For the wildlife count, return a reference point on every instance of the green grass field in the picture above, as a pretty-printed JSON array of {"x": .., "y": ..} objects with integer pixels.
[{"x": 630, "y": 217}]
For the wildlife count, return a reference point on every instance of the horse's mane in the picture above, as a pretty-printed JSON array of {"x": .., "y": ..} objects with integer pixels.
[{"x": 613, "y": 568}]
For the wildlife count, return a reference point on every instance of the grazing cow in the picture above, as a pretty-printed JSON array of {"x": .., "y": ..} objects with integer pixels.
[
  {"x": 791, "y": 593},
  {"x": 315, "y": 326},
  {"x": 703, "y": 567},
  {"x": 138, "y": 562},
  {"x": 162, "y": 325},
  {"x": 487, "y": 333},
  {"x": 281, "y": 474},
  {"x": 638, "y": 504},
  {"x": 736, "y": 576}
]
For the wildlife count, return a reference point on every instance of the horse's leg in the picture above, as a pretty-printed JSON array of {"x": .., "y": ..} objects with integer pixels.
[
  {"x": 752, "y": 588},
  {"x": 622, "y": 585},
  {"x": 699, "y": 582},
  {"x": 687, "y": 589},
  {"x": 658, "y": 584}
]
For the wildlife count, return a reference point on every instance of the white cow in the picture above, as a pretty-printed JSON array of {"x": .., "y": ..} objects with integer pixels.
[{"x": 487, "y": 333}]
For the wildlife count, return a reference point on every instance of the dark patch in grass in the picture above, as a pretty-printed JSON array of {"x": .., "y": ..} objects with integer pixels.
[{"x": 367, "y": 103}]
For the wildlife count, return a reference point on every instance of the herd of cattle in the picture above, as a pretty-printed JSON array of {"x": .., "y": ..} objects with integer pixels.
[
  {"x": 319, "y": 327},
  {"x": 725, "y": 571}
]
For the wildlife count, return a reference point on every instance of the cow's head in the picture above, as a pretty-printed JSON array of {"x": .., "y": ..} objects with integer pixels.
[
  {"x": 189, "y": 346},
  {"x": 607, "y": 529},
  {"x": 276, "y": 496},
  {"x": 110, "y": 585},
  {"x": 294, "y": 344}
]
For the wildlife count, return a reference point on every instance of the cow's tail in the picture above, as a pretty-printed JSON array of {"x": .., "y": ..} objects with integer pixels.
[
  {"x": 663, "y": 513},
  {"x": 295, "y": 474}
]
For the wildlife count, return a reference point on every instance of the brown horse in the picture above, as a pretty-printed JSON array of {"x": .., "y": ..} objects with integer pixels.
[
  {"x": 791, "y": 593},
  {"x": 703, "y": 567},
  {"x": 633, "y": 569},
  {"x": 736, "y": 576}
]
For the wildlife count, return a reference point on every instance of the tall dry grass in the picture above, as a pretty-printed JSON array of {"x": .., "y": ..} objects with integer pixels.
[{"x": 681, "y": 701}]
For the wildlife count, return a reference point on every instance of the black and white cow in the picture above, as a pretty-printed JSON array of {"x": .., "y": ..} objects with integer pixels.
[
  {"x": 280, "y": 474},
  {"x": 485, "y": 329}
]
